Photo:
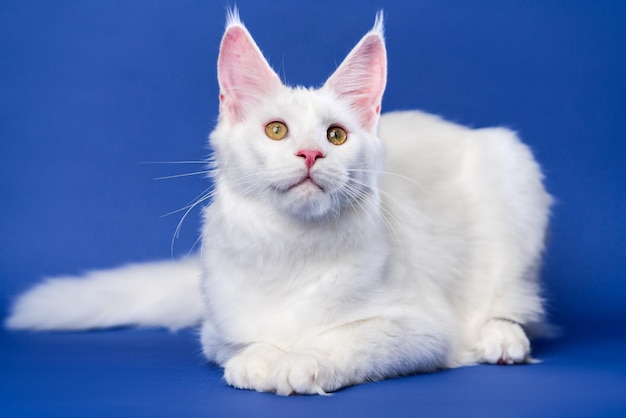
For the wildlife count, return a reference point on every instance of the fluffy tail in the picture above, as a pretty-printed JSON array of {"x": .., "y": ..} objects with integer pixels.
[{"x": 162, "y": 294}]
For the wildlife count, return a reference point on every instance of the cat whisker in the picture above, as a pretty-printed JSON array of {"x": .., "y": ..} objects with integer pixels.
[
  {"x": 175, "y": 176},
  {"x": 387, "y": 214},
  {"x": 360, "y": 197},
  {"x": 202, "y": 199},
  {"x": 193, "y": 246},
  {"x": 224, "y": 167},
  {"x": 255, "y": 185},
  {"x": 205, "y": 192},
  {"x": 408, "y": 209},
  {"x": 376, "y": 210},
  {"x": 389, "y": 173},
  {"x": 175, "y": 162}
]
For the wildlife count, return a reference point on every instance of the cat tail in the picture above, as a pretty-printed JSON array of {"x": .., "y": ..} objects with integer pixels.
[{"x": 156, "y": 294}]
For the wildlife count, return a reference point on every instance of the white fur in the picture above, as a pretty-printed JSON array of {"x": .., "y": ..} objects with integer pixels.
[
  {"x": 376, "y": 267},
  {"x": 163, "y": 294}
]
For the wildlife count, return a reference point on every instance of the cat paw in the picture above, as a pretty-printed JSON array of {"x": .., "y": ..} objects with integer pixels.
[
  {"x": 304, "y": 374},
  {"x": 265, "y": 368},
  {"x": 503, "y": 342},
  {"x": 252, "y": 368}
]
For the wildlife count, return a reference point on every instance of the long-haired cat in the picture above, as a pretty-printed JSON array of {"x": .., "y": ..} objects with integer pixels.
[{"x": 340, "y": 246}]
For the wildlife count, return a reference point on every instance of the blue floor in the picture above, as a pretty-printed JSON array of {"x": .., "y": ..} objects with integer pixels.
[{"x": 153, "y": 373}]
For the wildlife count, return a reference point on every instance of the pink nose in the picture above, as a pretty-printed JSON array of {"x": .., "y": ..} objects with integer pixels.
[{"x": 310, "y": 156}]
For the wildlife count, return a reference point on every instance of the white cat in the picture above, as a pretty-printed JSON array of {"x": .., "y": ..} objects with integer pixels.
[{"x": 340, "y": 246}]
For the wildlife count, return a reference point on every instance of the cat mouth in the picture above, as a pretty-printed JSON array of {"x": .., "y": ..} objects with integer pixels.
[{"x": 306, "y": 181}]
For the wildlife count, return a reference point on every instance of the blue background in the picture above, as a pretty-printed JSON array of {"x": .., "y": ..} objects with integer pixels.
[{"x": 92, "y": 93}]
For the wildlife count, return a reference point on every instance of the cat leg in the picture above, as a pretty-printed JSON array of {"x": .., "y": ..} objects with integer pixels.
[
  {"x": 362, "y": 351},
  {"x": 510, "y": 210},
  {"x": 498, "y": 330},
  {"x": 503, "y": 341}
]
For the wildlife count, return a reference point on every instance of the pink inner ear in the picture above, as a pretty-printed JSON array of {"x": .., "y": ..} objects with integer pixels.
[
  {"x": 244, "y": 75},
  {"x": 361, "y": 78}
]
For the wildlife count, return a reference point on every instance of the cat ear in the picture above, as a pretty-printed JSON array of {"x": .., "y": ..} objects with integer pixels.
[
  {"x": 360, "y": 79},
  {"x": 243, "y": 74}
]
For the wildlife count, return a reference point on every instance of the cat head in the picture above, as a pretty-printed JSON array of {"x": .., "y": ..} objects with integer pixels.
[{"x": 311, "y": 153}]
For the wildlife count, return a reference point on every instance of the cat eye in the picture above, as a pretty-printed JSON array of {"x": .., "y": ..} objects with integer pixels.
[
  {"x": 276, "y": 130},
  {"x": 336, "y": 135}
]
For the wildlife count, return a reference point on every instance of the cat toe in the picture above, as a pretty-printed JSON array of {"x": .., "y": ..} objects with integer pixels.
[
  {"x": 303, "y": 374},
  {"x": 251, "y": 369},
  {"x": 246, "y": 374}
]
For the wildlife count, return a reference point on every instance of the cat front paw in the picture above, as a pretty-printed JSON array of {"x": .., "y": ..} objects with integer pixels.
[
  {"x": 252, "y": 368},
  {"x": 265, "y": 368},
  {"x": 502, "y": 341}
]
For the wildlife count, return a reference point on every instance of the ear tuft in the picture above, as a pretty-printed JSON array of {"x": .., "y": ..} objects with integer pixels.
[
  {"x": 379, "y": 24},
  {"x": 232, "y": 17}
]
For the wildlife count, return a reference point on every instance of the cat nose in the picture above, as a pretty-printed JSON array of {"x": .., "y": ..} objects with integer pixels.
[{"x": 310, "y": 156}]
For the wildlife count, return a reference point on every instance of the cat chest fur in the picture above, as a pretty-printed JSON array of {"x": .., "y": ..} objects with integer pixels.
[{"x": 276, "y": 278}]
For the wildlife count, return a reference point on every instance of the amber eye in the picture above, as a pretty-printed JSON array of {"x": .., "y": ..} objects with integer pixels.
[
  {"x": 276, "y": 130},
  {"x": 336, "y": 135}
]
